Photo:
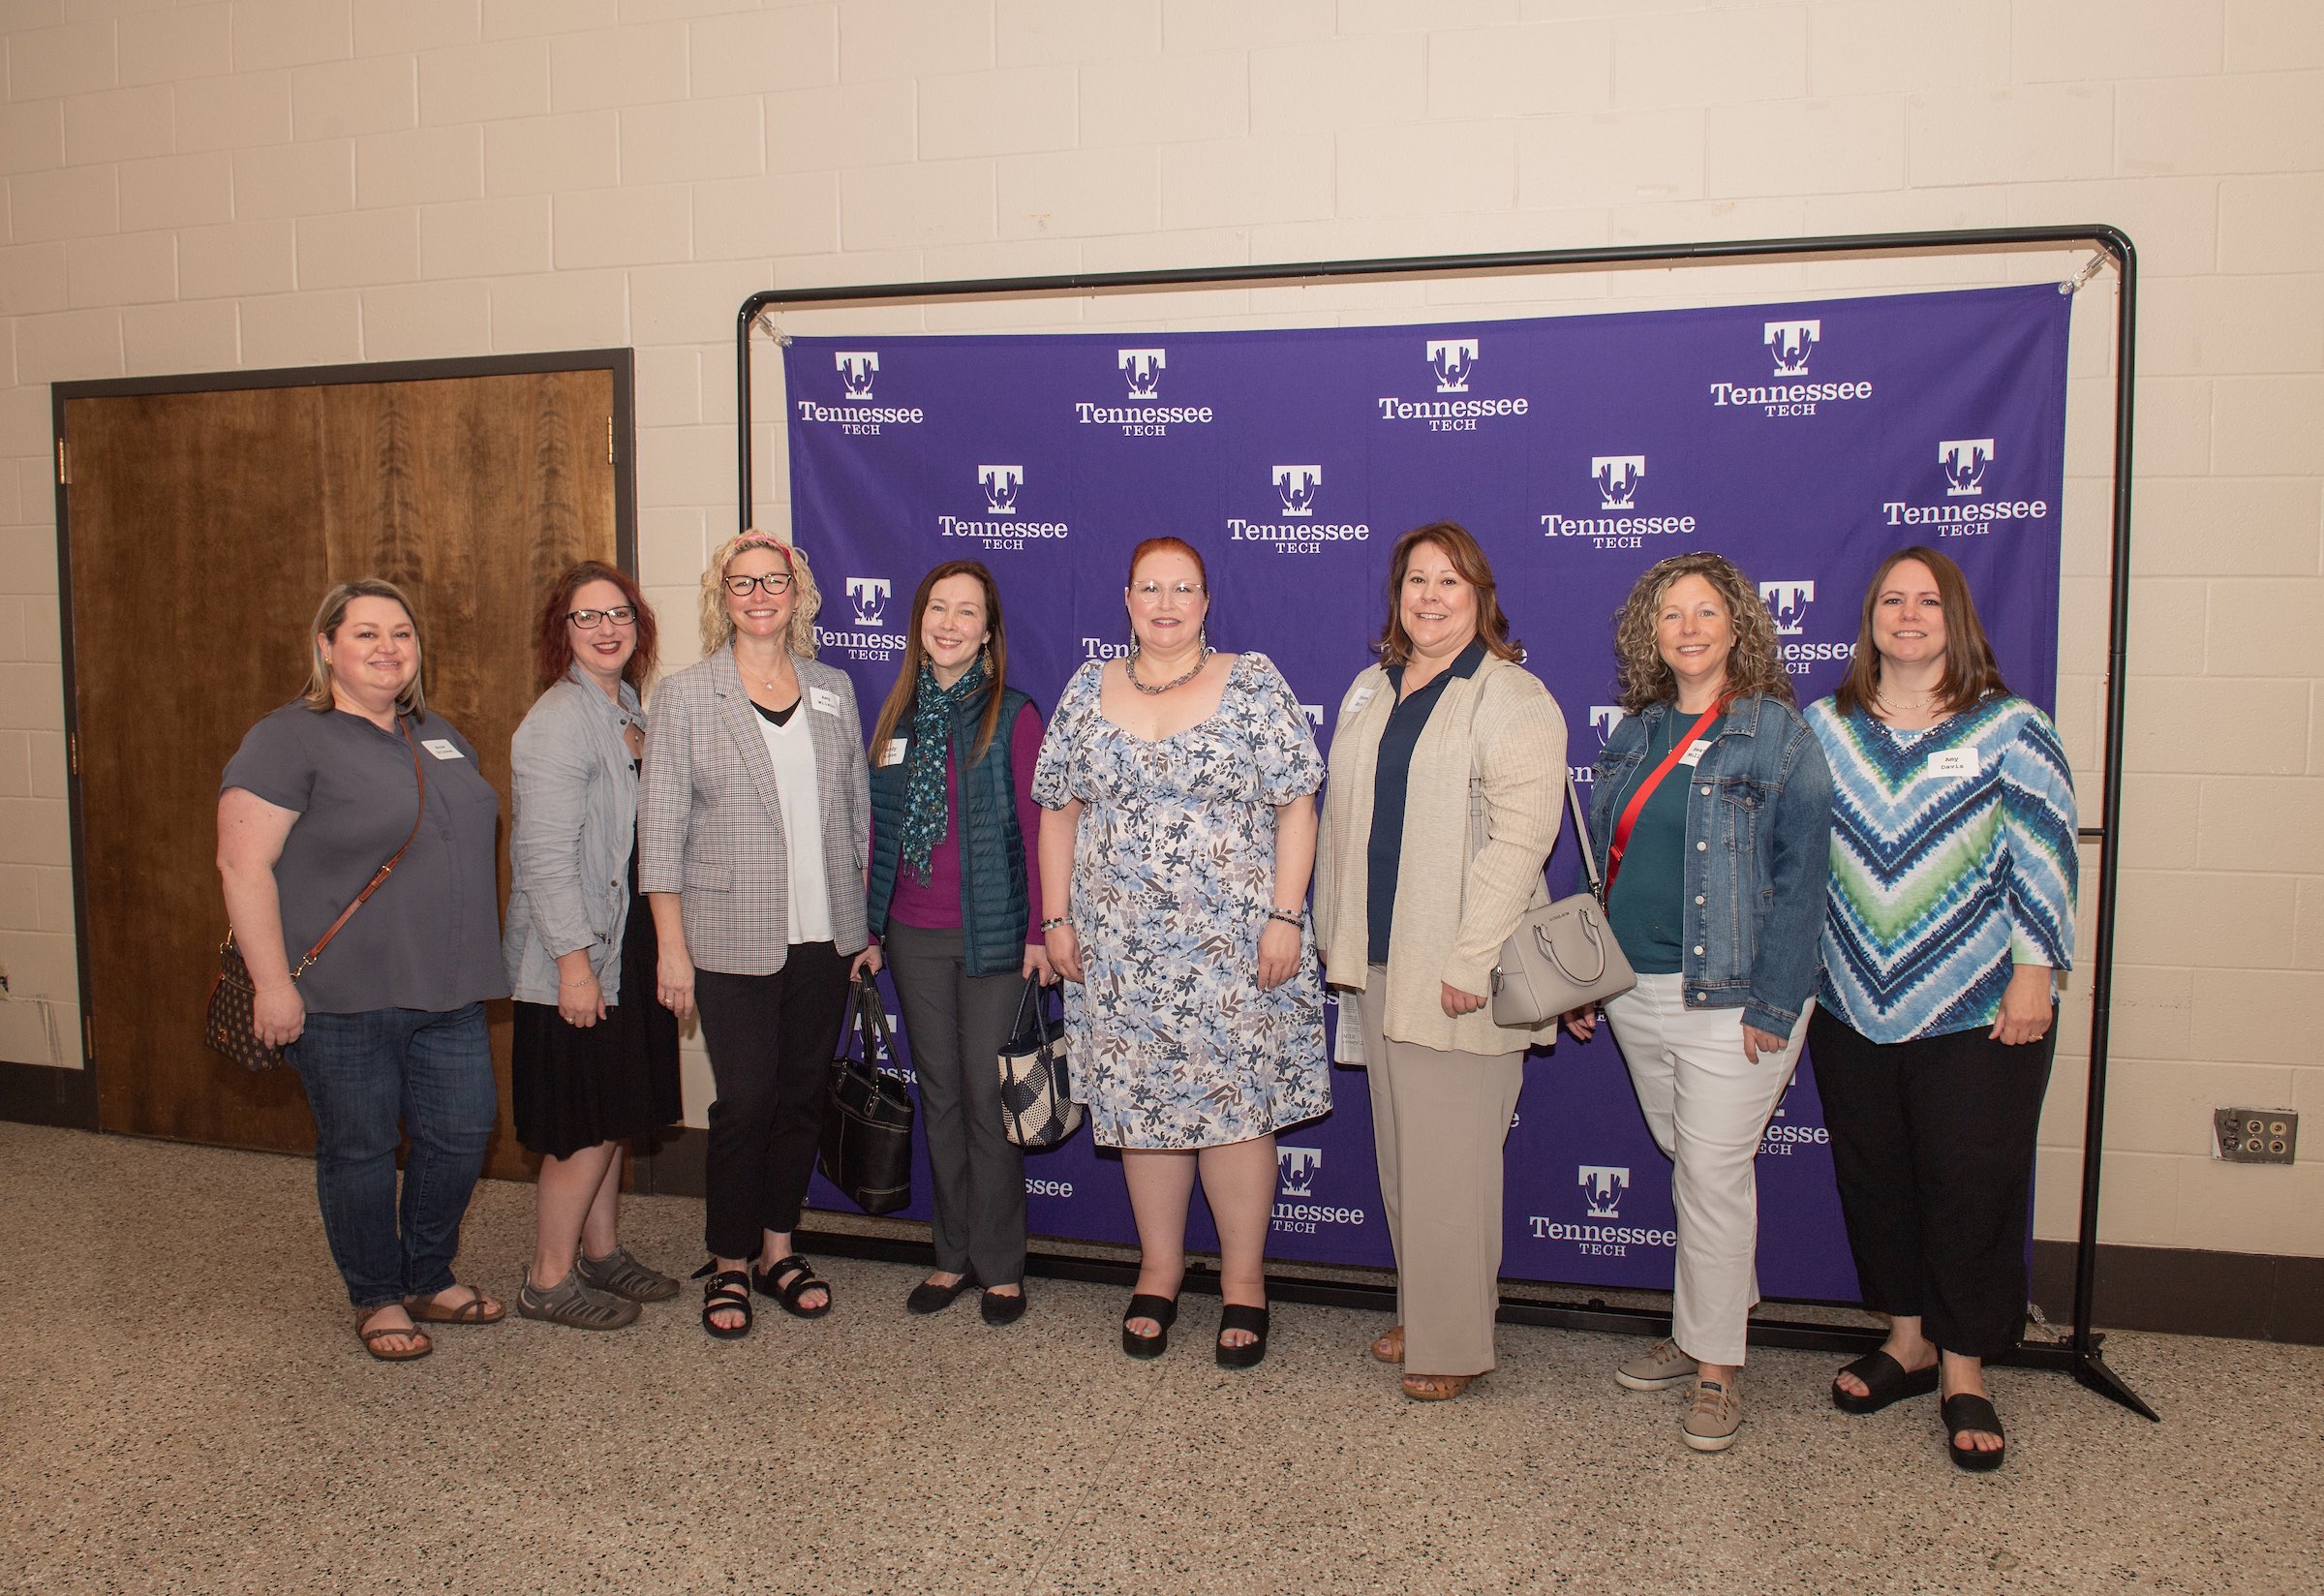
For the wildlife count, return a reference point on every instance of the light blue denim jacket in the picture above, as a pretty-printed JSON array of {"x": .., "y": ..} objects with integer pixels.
[
  {"x": 1758, "y": 855},
  {"x": 572, "y": 822}
]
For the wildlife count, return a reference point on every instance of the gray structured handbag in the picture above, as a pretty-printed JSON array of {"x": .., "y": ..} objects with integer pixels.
[{"x": 1562, "y": 954}]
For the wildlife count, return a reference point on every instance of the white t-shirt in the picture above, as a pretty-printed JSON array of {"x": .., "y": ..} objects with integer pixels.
[{"x": 791, "y": 747}]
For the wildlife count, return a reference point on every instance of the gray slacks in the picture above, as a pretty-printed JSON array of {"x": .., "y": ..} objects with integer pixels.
[
  {"x": 955, "y": 1024},
  {"x": 1439, "y": 1120}
]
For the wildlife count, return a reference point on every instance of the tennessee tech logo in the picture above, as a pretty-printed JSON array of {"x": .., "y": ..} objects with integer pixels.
[
  {"x": 1605, "y": 717},
  {"x": 1965, "y": 460},
  {"x": 1296, "y": 487},
  {"x": 1142, "y": 368},
  {"x": 871, "y": 596},
  {"x": 1298, "y": 1166},
  {"x": 1602, "y": 1188},
  {"x": 1617, "y": 477},
  {"x": 1452, "y": 360},
  {"x": 1001, "y": 484},
  {"x": 1787, "y": 603},
  {"x": 856, "y": 368},
  {"x": 1792, "y": 343}
]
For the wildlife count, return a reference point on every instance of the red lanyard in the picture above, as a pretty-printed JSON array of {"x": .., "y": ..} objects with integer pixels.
[{"x": 1637, "y": 799}]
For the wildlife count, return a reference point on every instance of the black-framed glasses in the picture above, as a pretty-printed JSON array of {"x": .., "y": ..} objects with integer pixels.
[
  {"x": 776, "y": 582},
  {"x": 588, "y": 619}
]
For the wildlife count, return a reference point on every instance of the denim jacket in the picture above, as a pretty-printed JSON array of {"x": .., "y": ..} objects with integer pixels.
[{"x": 1758, "y": 855}]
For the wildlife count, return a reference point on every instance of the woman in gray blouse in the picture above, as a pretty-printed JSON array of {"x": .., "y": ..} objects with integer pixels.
[
  {"x": 388, "y": 1025},
  {"x": 753, "y": 828}
]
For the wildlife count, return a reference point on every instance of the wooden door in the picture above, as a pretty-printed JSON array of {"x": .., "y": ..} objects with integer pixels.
[{"x": 203, "y": 529}]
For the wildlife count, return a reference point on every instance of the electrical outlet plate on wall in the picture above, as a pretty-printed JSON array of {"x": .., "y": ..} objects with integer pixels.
[{"x": 2254, "y": 1135}]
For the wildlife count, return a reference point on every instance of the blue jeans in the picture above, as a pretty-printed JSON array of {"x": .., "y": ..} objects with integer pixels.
[{"x": 364, "y": 1072}]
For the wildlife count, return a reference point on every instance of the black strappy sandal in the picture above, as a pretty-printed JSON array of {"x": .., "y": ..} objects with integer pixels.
[
  {"x": 1240, "y": 1316},
  {"x": 789, "y": 1278},
  {"x": 728, "y": 1291},
  {"x": 1163, "y": 1310}
]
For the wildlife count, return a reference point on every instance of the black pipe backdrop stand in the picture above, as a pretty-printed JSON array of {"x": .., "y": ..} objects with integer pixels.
[{"x": 2080, "y": 1354}]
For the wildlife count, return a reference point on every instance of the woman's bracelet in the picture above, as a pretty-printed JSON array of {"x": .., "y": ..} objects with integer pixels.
[
  {"x": 1289, "y": 916},
  {"x": 1056, "y": 923}
]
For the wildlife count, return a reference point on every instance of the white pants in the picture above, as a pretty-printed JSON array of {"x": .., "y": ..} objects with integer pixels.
[{"x": 1707, "y": 1105}]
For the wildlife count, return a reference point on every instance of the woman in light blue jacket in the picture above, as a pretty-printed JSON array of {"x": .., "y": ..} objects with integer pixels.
[{"x": 595, "y": 1053}]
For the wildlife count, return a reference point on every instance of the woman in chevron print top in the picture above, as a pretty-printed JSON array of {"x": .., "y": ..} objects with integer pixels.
[{"x": 1951, "y": 906}]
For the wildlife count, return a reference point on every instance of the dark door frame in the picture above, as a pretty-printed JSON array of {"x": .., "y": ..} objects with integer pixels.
[{"x": 43, "y": 1095}]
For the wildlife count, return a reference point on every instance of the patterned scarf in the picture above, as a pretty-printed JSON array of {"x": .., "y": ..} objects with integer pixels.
[{"x": 933, "y": 711}]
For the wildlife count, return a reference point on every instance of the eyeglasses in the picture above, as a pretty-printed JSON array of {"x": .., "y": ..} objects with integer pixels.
[
  {"x": 588, "y": 619},
  {"x": 1151, "y": 593},
  {"x": 776, "y": 582}
]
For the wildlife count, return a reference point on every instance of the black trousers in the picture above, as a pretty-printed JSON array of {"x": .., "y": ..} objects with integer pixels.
[
  {"x": 771, "y": 1040},
  {"x": 957, "y": 1024},
  {"x": 1932, "y": 1150}
]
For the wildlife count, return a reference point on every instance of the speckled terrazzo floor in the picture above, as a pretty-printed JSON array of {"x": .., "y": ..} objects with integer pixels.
[{"x": 186, "y": 1410}]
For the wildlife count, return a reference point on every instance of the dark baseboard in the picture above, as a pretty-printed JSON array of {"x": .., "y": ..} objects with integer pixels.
[
  {"x": 670, "y": 1165},
  {"x": 2253, "y": 1297},
  {"x": 42, "y": 1094}
]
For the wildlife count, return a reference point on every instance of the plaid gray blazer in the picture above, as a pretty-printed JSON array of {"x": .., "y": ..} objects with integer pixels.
[{"x": 710, "y": 821}]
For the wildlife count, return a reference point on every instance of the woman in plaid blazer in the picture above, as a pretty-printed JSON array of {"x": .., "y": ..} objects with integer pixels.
[{"x": 753, "y": 830}]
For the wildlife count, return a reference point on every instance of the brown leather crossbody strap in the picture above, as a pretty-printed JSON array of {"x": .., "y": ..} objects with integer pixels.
[{"x": 380, "y": 876}]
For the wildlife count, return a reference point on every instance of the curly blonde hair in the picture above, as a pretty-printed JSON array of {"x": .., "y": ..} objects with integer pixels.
[
  {"x": 807, "y": 600},
  {"x": 1755, "y": 667}
]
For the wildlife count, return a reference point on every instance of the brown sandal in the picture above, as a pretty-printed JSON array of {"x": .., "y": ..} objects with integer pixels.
[
  {"x": 426, "y": 1310},
  {"x": 1388, "y": 1345},
  {"x": 371, "y": 1338},
  {"x": 1435, "y": 1388}
]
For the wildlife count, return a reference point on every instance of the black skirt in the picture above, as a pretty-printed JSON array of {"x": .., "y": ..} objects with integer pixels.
[{"x": 574, "y": 1087}]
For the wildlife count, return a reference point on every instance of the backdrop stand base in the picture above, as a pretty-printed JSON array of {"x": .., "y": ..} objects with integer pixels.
[{"x": 1589, "y": 1314}]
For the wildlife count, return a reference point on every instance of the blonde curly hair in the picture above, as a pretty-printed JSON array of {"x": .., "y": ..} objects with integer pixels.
[
  {"x": 807, "y": 600},
  {"x": 1755, "y": 667}
]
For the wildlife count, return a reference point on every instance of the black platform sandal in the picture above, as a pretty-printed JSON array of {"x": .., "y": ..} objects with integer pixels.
[
  {"x": 788, "y": 1280},
  {"x": 1239, "y": 1317},
  {"x": 1885, "y": 1382},
  {"x": 1163, "y": 1310},
  {"x": 1964, "y": 1411},
  {"x": 728, "y": 1291}
]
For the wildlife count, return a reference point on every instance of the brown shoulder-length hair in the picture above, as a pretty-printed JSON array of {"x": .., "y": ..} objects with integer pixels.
[
  {"x": 1467, "y": 556},
  {"x": 1755, "y": 667},
  {"x": 807, "y": 600},
  {"x": 1970, "y": 675},
  {"x": 330, "y": 614},
  {"x": 552, "y": 636},
  {"x": 901, "y": 696}
]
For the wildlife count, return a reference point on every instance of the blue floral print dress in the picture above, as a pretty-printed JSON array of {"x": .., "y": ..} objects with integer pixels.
[{"x": 1174, "y": 872}]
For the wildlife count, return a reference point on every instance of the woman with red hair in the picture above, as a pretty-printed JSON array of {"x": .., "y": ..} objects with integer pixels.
[{"x": 596, "y": 1053}]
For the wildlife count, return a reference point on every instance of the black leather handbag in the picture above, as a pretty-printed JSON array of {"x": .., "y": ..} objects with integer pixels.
[{"x": 866, "y": 1145}]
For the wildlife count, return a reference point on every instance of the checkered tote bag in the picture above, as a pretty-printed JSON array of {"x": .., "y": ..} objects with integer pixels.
[{"x": 1037, "y": 1109}]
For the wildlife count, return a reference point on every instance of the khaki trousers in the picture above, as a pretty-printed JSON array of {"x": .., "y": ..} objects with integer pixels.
[{"x": 1439, "y": 1120}]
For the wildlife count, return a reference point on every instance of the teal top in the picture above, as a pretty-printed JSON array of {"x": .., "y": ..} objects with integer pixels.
[{"x": 1647, "y": 908}]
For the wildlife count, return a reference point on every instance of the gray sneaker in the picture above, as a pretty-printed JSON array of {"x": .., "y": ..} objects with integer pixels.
[
  {"x": 1659, "y": 1368},
  {"x": 621, "y": 1276},
  {"x": 571, "y": 1302},
  {"x": 1713, "y": 1417}
]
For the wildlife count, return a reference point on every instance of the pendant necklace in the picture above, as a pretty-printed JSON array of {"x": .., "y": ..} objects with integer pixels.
[{"x": 1130, "y": 667}]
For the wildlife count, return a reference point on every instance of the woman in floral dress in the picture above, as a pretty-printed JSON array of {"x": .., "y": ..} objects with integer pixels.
[{"x": 1179, "y": 790}]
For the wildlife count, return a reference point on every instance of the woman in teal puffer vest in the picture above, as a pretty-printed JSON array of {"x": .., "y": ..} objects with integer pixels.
[{"x": 954, "y": 880}]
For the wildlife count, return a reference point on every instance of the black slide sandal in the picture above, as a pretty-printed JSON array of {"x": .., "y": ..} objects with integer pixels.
[
  {"x": 728, "y": 1290},
  {"x": 1967, "y": 1412},
  {"x": 1239, "y": 1317},
  {"x": 1163, "y": 1310},
  {"x": 1886, "y": 1381}
]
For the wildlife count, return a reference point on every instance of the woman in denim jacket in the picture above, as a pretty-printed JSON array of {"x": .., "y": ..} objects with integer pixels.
[{"x": 1712, "y": 813}]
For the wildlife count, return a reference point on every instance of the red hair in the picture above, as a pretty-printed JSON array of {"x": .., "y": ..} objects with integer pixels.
[
  {"x": 1167, "y": 545},
  {"x": 553, "y": 637}
]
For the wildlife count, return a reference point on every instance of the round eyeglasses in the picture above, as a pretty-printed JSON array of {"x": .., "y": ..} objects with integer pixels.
[
  {"x": 589, "y": 620},
  {"x": 776, "y": 582}
]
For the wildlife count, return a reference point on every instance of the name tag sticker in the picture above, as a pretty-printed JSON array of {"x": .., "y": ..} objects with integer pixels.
[
  {"x": 826, "y": 701},
  {"x": 893, "y": 754},
  {"x": 1355, "y": 700},
  {"x": 442, "y": 749},
  {"x": 1954, "y": 761},
  {"x": 1695, "y": 751}
]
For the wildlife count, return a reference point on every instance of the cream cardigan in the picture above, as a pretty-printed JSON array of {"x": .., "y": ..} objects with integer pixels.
[{"x": 1452, "y": 912}]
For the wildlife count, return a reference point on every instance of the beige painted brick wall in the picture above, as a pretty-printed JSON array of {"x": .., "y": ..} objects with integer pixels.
[{"x": 283, "y": 182}]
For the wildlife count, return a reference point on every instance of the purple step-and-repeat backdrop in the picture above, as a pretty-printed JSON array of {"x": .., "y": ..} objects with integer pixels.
[{"x": 1804, "y": 440}]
